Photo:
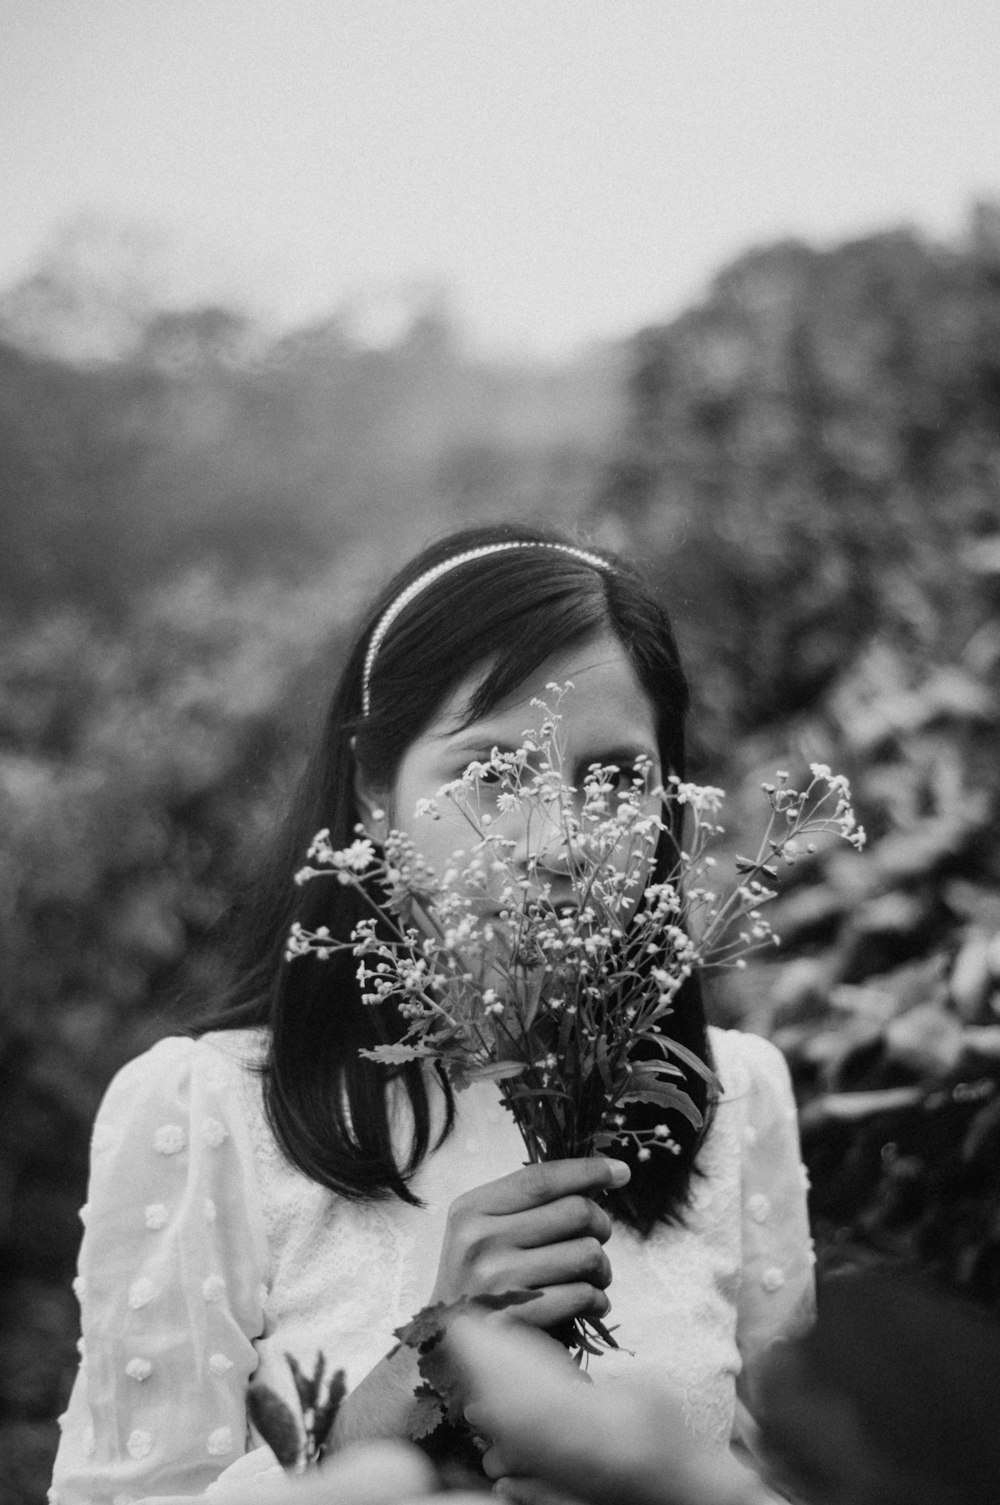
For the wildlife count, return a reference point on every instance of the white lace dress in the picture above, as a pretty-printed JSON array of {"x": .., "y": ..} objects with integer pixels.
[{"x": 206, "y": 1258}]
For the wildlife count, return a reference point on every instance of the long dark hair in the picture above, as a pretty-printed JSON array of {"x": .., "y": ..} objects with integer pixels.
[{"x": 328, "y": 1106}]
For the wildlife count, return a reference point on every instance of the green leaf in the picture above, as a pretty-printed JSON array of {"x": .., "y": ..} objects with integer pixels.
[
  {"x": 276, "y": 1424},
  {"x": 427, "y": 1414},
  {"x": 326, "y": 1414},
  {"x": 665, "y": 1097},
  {"x": 652, "y": 1072},
  {"x": 528, "y": 1094},
  {"x": 675, "y": 1048},
  {"x": 498, "y": 1071},
  {"x": 398, "y": 1055},
  {"x": 305, "y": 1387},
  {"x": 428, "y": 1325}
]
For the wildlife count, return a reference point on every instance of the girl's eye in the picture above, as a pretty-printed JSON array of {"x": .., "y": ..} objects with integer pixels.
[
  {"x": 623, "y": 777},
  {"x": 619, "y": 776}
]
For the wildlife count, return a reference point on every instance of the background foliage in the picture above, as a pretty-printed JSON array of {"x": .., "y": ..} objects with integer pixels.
[{"x": 809, "y": 462}]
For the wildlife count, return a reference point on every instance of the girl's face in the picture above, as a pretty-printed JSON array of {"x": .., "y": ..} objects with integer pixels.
[{"x": 605, "y": 718}]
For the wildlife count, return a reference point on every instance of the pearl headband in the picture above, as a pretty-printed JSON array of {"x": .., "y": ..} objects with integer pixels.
[{"x": 413, "y": 590}]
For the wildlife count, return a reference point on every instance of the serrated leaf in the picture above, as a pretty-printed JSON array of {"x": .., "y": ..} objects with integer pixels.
[
  {"x": 425, "y": 1330},
  {"x": 431, "y": 1322},
  {"x": 427, "y": 1414},
  {"x": 397, "y": 1055},
  {"x": 276, "y": 1424},
  {"x": 428, "y": 1325}
]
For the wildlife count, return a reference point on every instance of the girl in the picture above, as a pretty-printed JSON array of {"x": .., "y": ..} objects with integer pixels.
[{"x": 264, "y": 1189}]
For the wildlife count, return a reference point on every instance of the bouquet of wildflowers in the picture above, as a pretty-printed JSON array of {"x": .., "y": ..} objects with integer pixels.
[
  {"x": 562, "y": 1002},
  {"x": 558, "y": 990}
]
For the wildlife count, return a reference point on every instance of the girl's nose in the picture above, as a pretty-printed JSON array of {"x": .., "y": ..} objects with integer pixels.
[{"x": 544, "y": 845}]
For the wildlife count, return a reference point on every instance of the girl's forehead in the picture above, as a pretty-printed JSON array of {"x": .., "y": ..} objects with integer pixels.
[{"x": 603, "y": 688}]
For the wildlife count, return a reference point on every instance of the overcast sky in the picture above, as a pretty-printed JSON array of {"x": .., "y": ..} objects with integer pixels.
[{"x": 567, "y": 168}]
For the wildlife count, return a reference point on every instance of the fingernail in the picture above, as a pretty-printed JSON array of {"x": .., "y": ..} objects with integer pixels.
[{"x": 620, "y": 1172}]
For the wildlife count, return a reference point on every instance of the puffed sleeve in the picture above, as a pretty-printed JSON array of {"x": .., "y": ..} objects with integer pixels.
[
  {"x": 172, "y": 1272},
  {"x": 777, "y": 1288}
]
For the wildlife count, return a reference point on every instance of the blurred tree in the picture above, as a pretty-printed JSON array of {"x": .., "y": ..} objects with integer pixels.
[
  {"x": 138, "y": 768},
  {"x": 810, "y": 462},
  {"x": 806, "y": 455}
]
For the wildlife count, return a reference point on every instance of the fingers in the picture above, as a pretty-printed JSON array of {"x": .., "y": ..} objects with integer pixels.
[
  {"x": 582, "y": 1259},
  {"x": 509, "y": 1375},
  {"x": 569, "y": 1217},
  {"x": 494, "y": 1231},
  {"x": 535, "y": 1185},
  {"x": 371, "y": 1473},
  {"x": 551, "y": 1306},
  {"x": 530, "y": 1492},
  {"x": 624, "y": 1442}
]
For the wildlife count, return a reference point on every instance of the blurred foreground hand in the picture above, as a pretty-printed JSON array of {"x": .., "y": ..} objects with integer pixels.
[
  {"x": 368, "y": 1473},
  {"x": 557, "y": 1437}
]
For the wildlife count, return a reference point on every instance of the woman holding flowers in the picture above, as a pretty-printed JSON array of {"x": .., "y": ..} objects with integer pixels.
[{"x": 344, "y": 1141}]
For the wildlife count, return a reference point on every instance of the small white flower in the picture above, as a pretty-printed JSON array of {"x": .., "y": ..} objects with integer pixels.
[
  {"x": 169, "y": 1139},
  {"x": 356, "y": 858},
  {"x": 156, "y": 1216},
  {"x": 773, "y": 1279},
  {"x": 140, "y": 1293},
  {"x": 220, "y": 1441},
  {"x": 219, "y": 1365},
  {"x": 214, "y": 1133},
  {"x": 138, "y": 1369},
  {"x": 213, "y": 1288},
  {"x": 139, "y": 1443}
]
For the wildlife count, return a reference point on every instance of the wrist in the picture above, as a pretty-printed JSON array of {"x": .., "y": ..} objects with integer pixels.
[{"x": 382, "y": 1404}]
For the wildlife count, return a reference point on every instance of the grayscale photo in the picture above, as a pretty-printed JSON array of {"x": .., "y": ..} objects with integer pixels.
[{"x": 499, "y": 752}]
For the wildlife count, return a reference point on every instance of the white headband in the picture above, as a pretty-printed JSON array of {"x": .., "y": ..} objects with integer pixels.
[{"x": 404, "y": 598}]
